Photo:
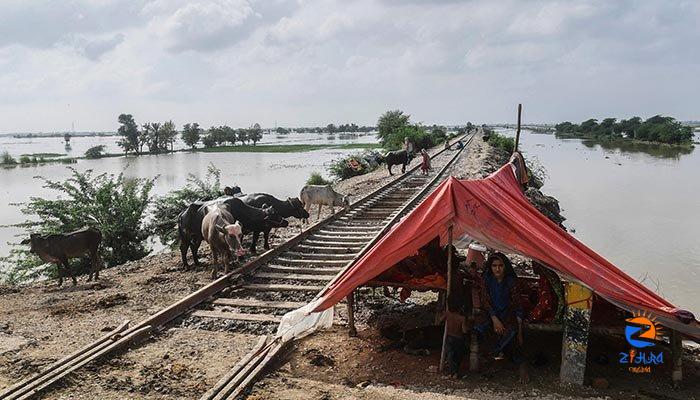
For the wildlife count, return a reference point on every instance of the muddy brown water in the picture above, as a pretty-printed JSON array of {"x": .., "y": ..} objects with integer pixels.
[{"x": 635, "y": 204}]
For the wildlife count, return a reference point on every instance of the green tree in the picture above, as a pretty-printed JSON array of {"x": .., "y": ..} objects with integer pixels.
[
  {"x": 168, "y": 134},
  {"x": 242, "y": 134},
  {"x": 129, "y": 132},
  {"x": 208, "y": 140},
  {"x": 144, "y": 136},
  {"x": 255, "y": 133},
  {"x": 191, "y": 134},
  {"x": 95, "y": 152},
  {"x": 114, "y": 204},
  {"x": 154, "y": 138},
  {"x": 229, "y": 134},
  {"x": 389, "y": 124}
]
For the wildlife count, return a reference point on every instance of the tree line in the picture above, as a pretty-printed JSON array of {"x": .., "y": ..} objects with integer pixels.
[
  {"x": 330, "y": 128},
  {"x": 658, "y": 128},
  {"x": 158, "y": 137}
]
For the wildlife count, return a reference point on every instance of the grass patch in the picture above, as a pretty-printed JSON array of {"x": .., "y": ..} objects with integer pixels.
[
  {"x": 317, "y": 179},
  {"x": 286, "y": 148},
  {"x": 45, "y": 155}
]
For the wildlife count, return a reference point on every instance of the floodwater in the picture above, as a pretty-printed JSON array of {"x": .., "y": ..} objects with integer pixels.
[
  {"x": 280, "y": 174},
  {"x": 635, "y": 204}
]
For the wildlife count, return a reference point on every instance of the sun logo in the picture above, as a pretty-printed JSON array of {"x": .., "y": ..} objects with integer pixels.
[{"x": 642, "y": 331}]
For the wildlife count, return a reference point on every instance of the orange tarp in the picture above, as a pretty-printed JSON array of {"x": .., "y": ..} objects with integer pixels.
[{"x": 495, "y": 212}]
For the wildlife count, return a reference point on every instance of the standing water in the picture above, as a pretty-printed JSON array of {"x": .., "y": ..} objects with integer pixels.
[
  {"x": 279, "y": 174},
  {"x": 634, "y": 204}
]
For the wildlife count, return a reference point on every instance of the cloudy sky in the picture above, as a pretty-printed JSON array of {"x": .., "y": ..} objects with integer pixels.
[{"x": 298, "y": 62}]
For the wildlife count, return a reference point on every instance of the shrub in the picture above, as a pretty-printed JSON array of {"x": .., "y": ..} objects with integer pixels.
[
  {"x": 502, "y": 142},
  {"x": 95, "y": 152},
  {"x": 167, "y": 208},
  {"x": 113, "y": 204},
  {"x": 317, "y": 179},
  {"x": 25, "y": 159},
  {"x": 354, "y": 164},
  {"x": 7, "y": 159}
]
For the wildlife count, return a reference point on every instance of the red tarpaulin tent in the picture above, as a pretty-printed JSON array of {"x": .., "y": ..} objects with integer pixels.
[{"x": 495, "y": 212}]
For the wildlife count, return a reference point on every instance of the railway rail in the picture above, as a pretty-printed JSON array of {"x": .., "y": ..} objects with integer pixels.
[{"x": 257, "y": 294}]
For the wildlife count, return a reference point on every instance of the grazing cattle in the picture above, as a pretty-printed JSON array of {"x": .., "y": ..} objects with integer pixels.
[
  {"x": 291, "y": 207},
  {"x": 401, "y": 157},
  {"x": 59, "y": 248},
  {"x": 255, "y": 219},
  {"x": 322, "y": 195},
  {"x": 251, "y": 219},
  {"x": 223, "y": 233},
  {"x": 232, "y": 191}
]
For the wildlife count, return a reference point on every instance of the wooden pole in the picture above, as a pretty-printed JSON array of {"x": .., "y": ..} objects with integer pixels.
[
  {"x": 443, "y": 353},
  {"x": 517, "y": 132},
  {"x": 351, "y": 314},
  {"x": 676, "y": 353},
  {"x": 577, "y": 321}
]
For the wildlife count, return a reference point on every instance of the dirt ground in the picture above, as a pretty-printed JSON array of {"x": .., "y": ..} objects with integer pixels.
[{"x": 331, "y": 365}]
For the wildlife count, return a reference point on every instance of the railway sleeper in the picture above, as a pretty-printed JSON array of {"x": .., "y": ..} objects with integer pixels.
[
  {"x": 342, "y": 238},
  {"x": 303, "y": 248},
  {"x": 310, "y": 262},
  {"x": 318, "y": 256},
  {"x": 316, "y": 243},
  {"x": 237, "y": 316},
  {"x": 282, "y": 269},
  {"x": 270, "y": 276}
]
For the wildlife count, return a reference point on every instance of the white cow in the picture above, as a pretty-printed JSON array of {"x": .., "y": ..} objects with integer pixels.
[{"x": 323, "y": 195}]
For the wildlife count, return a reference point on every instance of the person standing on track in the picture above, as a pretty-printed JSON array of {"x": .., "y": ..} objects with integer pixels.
[{"x": 425, "y": 164}]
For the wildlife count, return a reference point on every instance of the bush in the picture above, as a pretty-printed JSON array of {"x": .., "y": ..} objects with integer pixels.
[
  {"x": 354, "y": 165},
  {"x": 168, "y": 207},
  {"x": 317, "y": 179},
  {"x": 113, "y": 204},
  {"x": 7, "y": 159},
  {"x": 502, "y": 142},
  {"x": 25, "y": 159},
  {"x": 95, "y": 152}
]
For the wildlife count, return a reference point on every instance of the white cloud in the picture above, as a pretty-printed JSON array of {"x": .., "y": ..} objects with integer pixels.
[{"x": 298, "y": 62}]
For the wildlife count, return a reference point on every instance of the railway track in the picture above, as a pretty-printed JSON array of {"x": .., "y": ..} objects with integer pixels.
[{"x": 255, "y": 296}]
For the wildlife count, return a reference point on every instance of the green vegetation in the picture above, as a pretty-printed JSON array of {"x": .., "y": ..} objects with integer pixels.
[
  {"x": 167, "y": 208},
  {"x": 394, "y": 127},
  {"x": 501, "y": 142},
  {"x": 114, "y": 204},
  {"x": 191, "y": 134},
  {"x": 7, "y": 159},
  {"x": 95, "y": 152},
  {"x": 317, "y": 179},
  {"x": 655, "y": 129},
  {"x": 287, "y": 148},
  {"x": 45, "y": 155},
  {"x": 354, "y": 164}
]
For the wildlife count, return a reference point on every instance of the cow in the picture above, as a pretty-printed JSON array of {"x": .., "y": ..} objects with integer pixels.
[
  {"x": 322, "y": 195},
  {"x": 189, "y": 222},
  {"x": 291, "y": 207},
  {"x": 223, "y": 233},
  {"x": 255, "y": 220},
  {"x": 232, "y": 191},
  {"x": 401, "y": 157},
  {"x": 59, "y": 248}
]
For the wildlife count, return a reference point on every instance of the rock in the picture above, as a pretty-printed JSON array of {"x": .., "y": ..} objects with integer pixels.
[
  {"x": 547, "y": 205},
  {"x": 362, "y": 384},
  {"x": 432, "y": 369},
  {"x": 600, "y": 383}
]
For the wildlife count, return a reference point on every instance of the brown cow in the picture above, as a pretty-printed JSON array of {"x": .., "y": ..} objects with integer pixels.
[
  {"x": 60, "y": 247},
  {"x": 223, "y": 233}
]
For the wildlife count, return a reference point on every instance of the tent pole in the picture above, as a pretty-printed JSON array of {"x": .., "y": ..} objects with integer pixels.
[
  {"x": 577, "y": 321},
  {"x": 443, "y": 352},
  {"x": 351, "y": 314},
  {"x": 676, "y": 353},
  {"x": 517, "y": 132}
]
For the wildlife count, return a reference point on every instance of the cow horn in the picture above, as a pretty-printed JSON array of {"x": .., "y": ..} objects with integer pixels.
[
  {"x": 221, "y": 229},
  {"x": 26, "y": 241}
]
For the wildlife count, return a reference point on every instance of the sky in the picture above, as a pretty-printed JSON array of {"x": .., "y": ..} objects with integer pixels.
[{"x": 308, "y": 63}]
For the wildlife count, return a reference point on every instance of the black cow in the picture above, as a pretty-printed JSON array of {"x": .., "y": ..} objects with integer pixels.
[
  {"x": 190, "y": 222},
  {"x": 291, "y": 207},
  {"x": 59, "y": 248},
  {"x": 401, "y": 157}
]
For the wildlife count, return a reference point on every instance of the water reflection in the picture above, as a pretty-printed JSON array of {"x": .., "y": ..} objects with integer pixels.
[{"x": 651, "y": 149}]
